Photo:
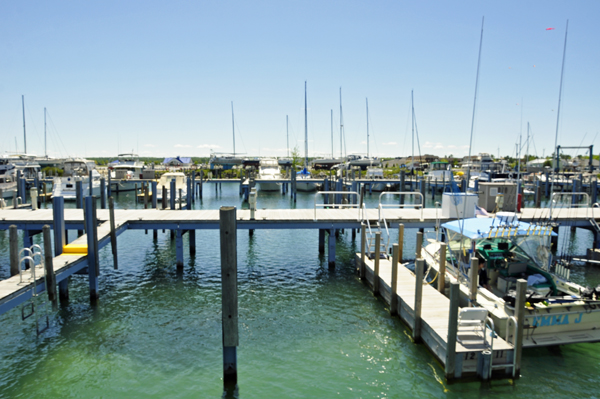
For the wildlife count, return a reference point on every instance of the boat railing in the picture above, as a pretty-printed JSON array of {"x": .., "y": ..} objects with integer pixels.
[
  {"x": 349, "y": 205},
  {"x": 382, "y": 206}
]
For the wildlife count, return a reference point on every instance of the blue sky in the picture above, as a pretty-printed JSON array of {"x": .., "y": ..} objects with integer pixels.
[{"x": 158, "y": 78}]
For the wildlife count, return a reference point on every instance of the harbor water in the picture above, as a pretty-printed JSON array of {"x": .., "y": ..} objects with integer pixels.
[{"x": 305, "y": 330}]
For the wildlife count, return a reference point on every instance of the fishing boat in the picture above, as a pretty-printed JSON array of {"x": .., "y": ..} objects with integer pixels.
[
  {"x": 76, "y": 169},
  {"x": 126, "y": 168},
  {"x": 269, "y": 170},
  {"x": 557, "y": 311},
  {"x": 180, "y": 184},
  {"x": 302, "y": 177}
]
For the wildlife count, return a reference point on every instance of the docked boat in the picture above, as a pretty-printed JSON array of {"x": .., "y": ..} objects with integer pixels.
[
  {"x": 440, "y": 171},
  {"x": 126, "y": 168},
  {"x": 8, "y": 182},
  {"x": 76, "y": 169},
  {"x": 557, "y": 311},
  {"x": 180, "y": 184},
  {"x": 268, "y": 174},
  {"x": 376, "y": 175}
]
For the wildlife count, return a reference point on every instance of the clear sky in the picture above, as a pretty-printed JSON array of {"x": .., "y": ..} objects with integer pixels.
[{"x": 159, "y": 77}]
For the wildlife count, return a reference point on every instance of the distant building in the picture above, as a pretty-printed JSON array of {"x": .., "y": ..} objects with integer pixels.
[{"x": 181, "y": 162}]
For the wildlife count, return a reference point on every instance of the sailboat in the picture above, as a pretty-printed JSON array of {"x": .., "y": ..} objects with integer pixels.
[
  {"x": 304, "y": 174},
  {"x": 226, "y": 161}
]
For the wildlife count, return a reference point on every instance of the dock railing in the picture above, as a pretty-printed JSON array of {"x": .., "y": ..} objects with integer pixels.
[
  {"x": 339, "y": 206},
  {"x": 403, "y": 205}
]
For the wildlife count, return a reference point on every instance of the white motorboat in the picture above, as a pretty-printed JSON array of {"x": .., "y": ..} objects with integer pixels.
[
  {"x": 557, "y": 311},
  {"x": 180, "y": 184},
  {"x": 269, "y": 170},
  {"x": 8, "y": 183},
  {"x": 375, "y": 174},
  {"x": 76, "y": 169},
  {"x": 127, "y": 167}
]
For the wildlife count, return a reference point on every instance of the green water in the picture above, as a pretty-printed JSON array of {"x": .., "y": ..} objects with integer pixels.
[{"x": 305, "y": 330}]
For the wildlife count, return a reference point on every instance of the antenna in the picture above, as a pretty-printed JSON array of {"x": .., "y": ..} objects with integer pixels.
[{"x": 24, "y": 132}]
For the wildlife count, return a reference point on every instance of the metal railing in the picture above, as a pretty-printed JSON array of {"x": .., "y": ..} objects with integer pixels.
[
  {"x": 404, "y": 205},
  {"x": 339, "y": 206}
]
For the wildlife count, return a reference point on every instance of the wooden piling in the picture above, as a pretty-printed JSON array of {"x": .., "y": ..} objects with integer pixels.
[
  {"x": 102, "y": 193},
  {"x": 331, "y": 249},
  {"x": 229, "y": 294},
  {"x": 419, "y": 245},
  {"x": 376, "y": 263},
  {"x": 113, "y": 233},
  {"x": 164, "y": 197},
  {"x": 321, "y": 241},
  {"x": 441, "y": 283},
  {"x": 179, "y": 249},
  {"x": 90, "y": 185},
  {"x": 473, "y": 277},
  {"x": 400, "y": 242},
  {"x": 92, "y": 242},
  {"x": 50, "y": 276},
  {"x": 419, "y": 271},
  {"x": 450, "y": 366},
  {"x": 14, "y": 250},
  {"x": 394, "y": 299}
]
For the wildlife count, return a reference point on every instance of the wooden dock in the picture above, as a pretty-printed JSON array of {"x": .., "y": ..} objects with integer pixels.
[{"x": 435, "y": 322}]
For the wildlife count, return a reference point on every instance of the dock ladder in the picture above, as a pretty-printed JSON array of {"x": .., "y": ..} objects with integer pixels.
[{"x": 28, "y": 309}]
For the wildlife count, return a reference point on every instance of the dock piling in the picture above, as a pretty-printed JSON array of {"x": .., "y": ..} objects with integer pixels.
[
  {"x": 442, "y": 271},
  {"x": 400, "y": 242},
  {"x": 419, "y": 245},
  {"x": 450, "y": 366},
  {"x": 14, "y": 250},
  {"x": 172, "y": 195},
  {"x": 164, "y": 197},
  {"x": 394, "y": 299},
  {"x": 419, "y": 271},
  {"x": 229, "y": 295},
  {"x": 321, "y": 241},
  {"x": 179, "y": 249},
  {"x": 363, "y": 244},
  {"x": 331, "y": 249},
  {"x": 376, "y": 263},
  {"x": 113, "y": 234},
  {"x": 473, "y": 280},
  {"x": 92, "y": 242},
  {"x": 520, "y": 316},
  {"x": 50, "y": 276},
  {"x": 103, "y": 193}
]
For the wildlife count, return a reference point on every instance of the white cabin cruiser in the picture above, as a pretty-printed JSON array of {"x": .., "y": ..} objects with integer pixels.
[
  {"x": 180, "y": 184},
  {"x": 76, "y": 169},
  {"x": 269, "y": 170},
  {"x": 127, "y": 167}
]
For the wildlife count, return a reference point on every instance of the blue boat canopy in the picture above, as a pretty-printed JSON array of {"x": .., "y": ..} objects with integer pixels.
[
  {"x": 479, "y": 228},
  {"x": 303, "y": 172}
]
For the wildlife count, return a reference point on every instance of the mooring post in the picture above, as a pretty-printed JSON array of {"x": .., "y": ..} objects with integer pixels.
[
  {"x": 363, "y": 246},
  {"x": 90, "y": 185},
  {"x": 146, "y": 194},
  {"x": 402, "y": 185},
  {"x": 294, "y": 193},
  {"x": 419, "y": 245},
  {"x": 33, "y": 192},
  {"x": 331, "y": 249},
  {"x": 103, "y": 193},
  {"x": 109, "y": 188},
  {"x": 180, "y": 200},
  {"x": 20, "y": 192},
  {"x": 325, "y": 189},
  {"x": 192, "y": 189},
  {"x": 179, "y": 248},
  {"x": 400, "y": 242},
  {"x": 113, "y": 233},
  {"x": 92, "y": 242},
  {"x": 442, "y": 271},
  {"x": 164, "y": 197},
  {"x": 200, "y": 185},
  {"x": 154, "y": 194},
  {"x": 192, "y": 241},
  {"x": 172, "y": 195},
  {"x": 473, "y": 278},
  {"x": 321, "y": 241},
  {"x": 58, "y": 217},
  {"x": 450, "y": 366},
  {"x": 520, "y": 316},
  {"x": 376, "y": 263},
  {"x": 27, "y": 236},
  {"x": 50, "y": 276},
  {"x": 394, "y": 300},
  {"x": 419, "y": 271},
  {"x": 229, "y": 295},
  {"x": 14, "y": 249}
]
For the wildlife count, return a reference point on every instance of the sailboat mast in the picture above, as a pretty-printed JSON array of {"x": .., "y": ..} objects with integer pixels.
[
  {"x": 45, "y": 142},
  {"x": 341, "y": 127},
  {"x": 305, "y": 128},
  {"x": 233, "y": 127},
  {"x": 367, "y": 100},
  {"x": 24, "y": 131},
  {"x": 412, "y": 107},
  {"x": 287, "y": 131},
  {"x": 332, "y": 134}
]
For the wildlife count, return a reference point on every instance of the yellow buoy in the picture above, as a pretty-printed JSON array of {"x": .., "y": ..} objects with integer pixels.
[{"x": 74, "y": 249}]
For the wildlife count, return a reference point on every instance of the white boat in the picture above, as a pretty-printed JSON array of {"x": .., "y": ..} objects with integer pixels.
[
  {"x": 304, "y": 174},
  {"x": 127, "y": 167},
  {"x": 180, "y": 184},
  {"x": 269, "y": 170},
  {"x": 8, "y": 182},
  {"x": 557, "y": 310},
  {"x": 375, "y": 174},
  {"x": 440, "y": 171},
  {"x": 76, "y": 169}
]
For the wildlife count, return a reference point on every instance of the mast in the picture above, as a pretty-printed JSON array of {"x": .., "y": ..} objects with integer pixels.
[
  {"x": 331, "y": 134},
  {"x": 341, "y": 127},
  {"x": 287, "y": 131},
  {"x": 305, "y": 129},
  {"x": 367, "y": 100},
  {"x": 24, "y": 131},
  {"x": 412, "y": 107},
  {"x": 233, "y": 126},
  {"x": 45, "y": 142}
]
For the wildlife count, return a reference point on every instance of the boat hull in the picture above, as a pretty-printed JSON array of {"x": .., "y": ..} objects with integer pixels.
[{"x": 269, "y": 186}]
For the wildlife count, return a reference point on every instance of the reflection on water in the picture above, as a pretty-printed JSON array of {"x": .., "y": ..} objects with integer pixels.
[{"x": 305, "y": 330}]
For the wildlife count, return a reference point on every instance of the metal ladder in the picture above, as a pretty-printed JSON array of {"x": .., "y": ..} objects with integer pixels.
[
  {"x": 28, "y": 309},
  {"x": 384, "y": 241}
]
